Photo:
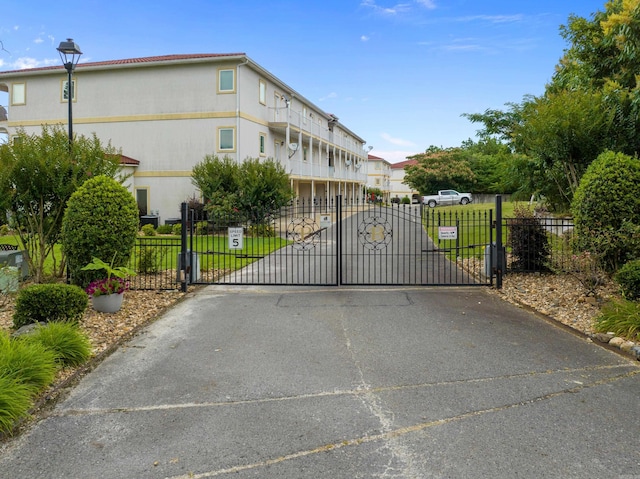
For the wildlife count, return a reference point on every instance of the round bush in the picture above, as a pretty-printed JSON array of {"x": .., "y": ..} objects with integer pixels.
[
  {"x": 49, "y": 302},
  {"x": 606, "y": 209},
  {"x": 628, "y": 277},
  {"x": 148, "y": 230},
  {"x": 101, "y": 220}
]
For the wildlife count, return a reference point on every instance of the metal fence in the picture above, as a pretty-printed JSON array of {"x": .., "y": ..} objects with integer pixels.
[
  {"x": 531, "y": 245},
  {"x": 155, "y": 259},
  {"x": 540, "y": 245}
]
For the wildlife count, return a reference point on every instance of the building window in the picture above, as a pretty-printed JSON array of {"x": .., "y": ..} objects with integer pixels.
[
  {"x": 65, "y": 90},
  {"x": 226, "y": 81},
  {"x": 19, "y": 94},
  {"x": 304, "y": 115},
  {"x": 226, "y": 139},
  {"x": 304, "y": 153},
  {"x": 142, "y": 198},
  {"x": 263, "y": 142},
  {"x": 263, "y": 92}
]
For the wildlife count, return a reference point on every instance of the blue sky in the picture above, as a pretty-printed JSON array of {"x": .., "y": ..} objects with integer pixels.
[{"x": 398, "y": 73}]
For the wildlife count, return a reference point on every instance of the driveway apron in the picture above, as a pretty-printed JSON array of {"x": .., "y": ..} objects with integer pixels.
[{"x": 290, "y": 382}]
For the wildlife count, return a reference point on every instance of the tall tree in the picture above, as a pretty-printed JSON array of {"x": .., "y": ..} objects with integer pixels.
[
  {"x": 38, "y": 174},
  {"x": 439, "y": 169}
]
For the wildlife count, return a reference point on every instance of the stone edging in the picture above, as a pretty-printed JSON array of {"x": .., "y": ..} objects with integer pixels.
[{"x": 622, "y": 344}]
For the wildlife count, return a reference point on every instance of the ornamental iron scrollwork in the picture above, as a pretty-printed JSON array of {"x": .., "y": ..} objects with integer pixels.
[
  {"x": 304, "y": 232},
  {"x": 375, "y": 233}
]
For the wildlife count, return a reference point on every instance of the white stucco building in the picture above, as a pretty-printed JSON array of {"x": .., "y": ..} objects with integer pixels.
[
  {"x": 379, "y": 175},
  {"x": 166, "y": 113},
  {"x": 398, "y": 188}
]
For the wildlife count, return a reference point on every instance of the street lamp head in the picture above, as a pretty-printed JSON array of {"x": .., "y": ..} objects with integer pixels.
[{"x": 69, "y": 54}]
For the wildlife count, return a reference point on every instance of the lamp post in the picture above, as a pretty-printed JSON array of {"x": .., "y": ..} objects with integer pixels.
[{"x": 70, "y": 55}]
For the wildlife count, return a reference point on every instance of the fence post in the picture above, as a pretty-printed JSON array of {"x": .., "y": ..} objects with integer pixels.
[
  {"x": 498, "y": 250},
  {"x": 184, "y": 278}
]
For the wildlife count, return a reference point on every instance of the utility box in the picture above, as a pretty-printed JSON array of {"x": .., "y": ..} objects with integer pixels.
[
  {"x": 9, "y": 279},
  {"x": 491, "y": 259},
  {"x": 190, "y": 267},
  {"x": 16, "y": 259}
]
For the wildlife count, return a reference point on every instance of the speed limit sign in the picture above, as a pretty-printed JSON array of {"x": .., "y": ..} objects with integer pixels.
[{"x": 235, "y": 238}]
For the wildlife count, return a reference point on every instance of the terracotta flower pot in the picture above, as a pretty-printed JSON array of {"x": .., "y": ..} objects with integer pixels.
[{"x": 107, "y": 303}]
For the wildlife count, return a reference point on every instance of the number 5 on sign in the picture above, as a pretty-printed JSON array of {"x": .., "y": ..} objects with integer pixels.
[{"x": 235, "y": 238}]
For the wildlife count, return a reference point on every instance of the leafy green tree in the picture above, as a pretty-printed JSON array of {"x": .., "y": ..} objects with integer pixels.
[
  {"x": 38, "y": 174},
  {"x": 439, "y": 169},
  {"x": 264, "y": 188},
  {"x": 491, "y": 161},
  {"x": 591, "y": 105},
  {"x": 250, "y": 190}
]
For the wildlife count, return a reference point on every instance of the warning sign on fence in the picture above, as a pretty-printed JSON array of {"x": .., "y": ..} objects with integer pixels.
[{"x": 447, "y": 232}]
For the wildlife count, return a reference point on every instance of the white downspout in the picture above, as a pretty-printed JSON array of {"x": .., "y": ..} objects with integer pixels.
[{"x": 237, "y": 138}]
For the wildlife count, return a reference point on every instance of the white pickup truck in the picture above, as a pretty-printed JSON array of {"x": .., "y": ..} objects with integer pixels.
[{"x": 447, "y": 197}]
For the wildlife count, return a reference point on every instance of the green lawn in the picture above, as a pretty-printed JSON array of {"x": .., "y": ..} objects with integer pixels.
[
  {"x": 213, "y": 251},
  {"x": 473, "y": 227}
]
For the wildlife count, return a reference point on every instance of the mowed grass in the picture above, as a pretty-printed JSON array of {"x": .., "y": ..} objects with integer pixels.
[
  {"x": 213, "y": 251},
  {"x": 474, "y": 227}
]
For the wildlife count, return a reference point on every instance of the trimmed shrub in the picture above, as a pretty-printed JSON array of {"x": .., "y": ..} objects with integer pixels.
[
  {"x": 405, "y": 200},
  {"x": 101, "y": 220},
  {"x": 528, "y": 241},
  {"x": 176, "y": 229},
  {"x": 628, "y": 277},
  {"x": 29, "y": 363},
  {"x": 202, "y": 228},
  {"x": 606, "y": 210},
  {"x": 148, "y": 230},
  {"x": 150, "y": 259},
  {"x": 49, "y": 302},
  {"x": 70, "y": 346},
  {"x": 164, "y": 229}
]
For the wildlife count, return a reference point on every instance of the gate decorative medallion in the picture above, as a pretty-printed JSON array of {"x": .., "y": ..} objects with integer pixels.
[
  {"x": 304, "y": 233},
  {"x": 375, "y": 233}
]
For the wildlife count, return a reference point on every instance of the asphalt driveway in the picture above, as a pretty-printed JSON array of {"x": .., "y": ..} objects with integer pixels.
[{"x": 284, "y": 382}]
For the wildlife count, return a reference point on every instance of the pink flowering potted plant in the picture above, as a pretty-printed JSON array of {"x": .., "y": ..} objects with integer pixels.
[{"x": 107, "y": 293}]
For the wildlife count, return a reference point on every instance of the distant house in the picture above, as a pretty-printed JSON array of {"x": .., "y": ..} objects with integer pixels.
[
  {"x": 166, "y": 113},
  {"x": 379, "y": 175},
  {"x": 398, "y": 188}
]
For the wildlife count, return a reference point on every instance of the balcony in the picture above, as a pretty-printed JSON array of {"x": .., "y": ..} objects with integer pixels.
[{"x": 303, "y": 130}]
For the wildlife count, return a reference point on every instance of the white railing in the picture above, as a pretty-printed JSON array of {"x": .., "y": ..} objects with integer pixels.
[
  {"x": 314, "y": 170},
  {"x": 310, "y": 126}
]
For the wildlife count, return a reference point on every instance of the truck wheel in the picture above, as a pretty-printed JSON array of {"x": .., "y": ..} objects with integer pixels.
[
  {"x": 432, "y": 204},
  {"x": 464, "y": 201}
]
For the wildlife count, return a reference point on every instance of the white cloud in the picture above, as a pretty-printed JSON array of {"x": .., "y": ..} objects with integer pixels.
[
  {"x": 393, "y": 156},
  {"x": 430, "y": 4},
  {"x": 396, "y": 141},
  {"x": 394, "y": 10},
  {"x": 330, "y": 96},
  {"x": 364, "y": 38},
  {"x": 38, "y": 40},
  {"x": 24, "y": 63},
  {"x": 493, "y": 18}
]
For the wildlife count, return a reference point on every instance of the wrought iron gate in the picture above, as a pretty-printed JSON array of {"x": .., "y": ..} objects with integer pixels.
[{"x": 335, "y": 243}]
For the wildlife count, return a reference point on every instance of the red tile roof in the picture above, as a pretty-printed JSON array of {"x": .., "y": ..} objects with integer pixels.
[
  {"x": 141, "y": 60},
  {"x": 127, "y": 161},
  {"x": 402, "y": 164}
]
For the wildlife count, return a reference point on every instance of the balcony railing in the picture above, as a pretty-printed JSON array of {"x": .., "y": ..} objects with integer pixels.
[{"x": 310, "y": 127}]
